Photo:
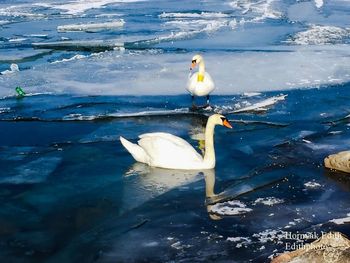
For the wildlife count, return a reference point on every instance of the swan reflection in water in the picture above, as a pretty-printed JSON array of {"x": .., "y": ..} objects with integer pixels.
[{"x": 143, "y": 183}]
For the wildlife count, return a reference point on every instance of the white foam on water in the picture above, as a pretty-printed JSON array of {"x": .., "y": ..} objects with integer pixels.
[
  {"x": 270, "y": 201},
  {"x": 240, "y": 241},
  {"x": 92, "y": 27},
  {"x": 179, "y": 246},
  {"x": 320, "y": 35},
  {"x": 341, "y": 221},
  {"x": 230, "y": 208},
  {"x": 271, "y": 235},
  {"x": 312, "y": 185}
]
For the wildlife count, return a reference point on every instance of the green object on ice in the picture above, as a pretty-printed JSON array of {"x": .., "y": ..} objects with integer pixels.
[{"x": 20, "y": 92}]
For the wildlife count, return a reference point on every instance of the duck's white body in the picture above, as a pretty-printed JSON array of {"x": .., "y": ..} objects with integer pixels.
[
  {"x": 165, "y": 150},
  {"x": 200, "y": 83},
  {"x": 200, "y": 88}
]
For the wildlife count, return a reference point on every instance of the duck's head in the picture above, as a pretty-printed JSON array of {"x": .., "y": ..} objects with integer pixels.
[
  {"x": 196, "y": 60},
  {"x": 219, "y": 119}
]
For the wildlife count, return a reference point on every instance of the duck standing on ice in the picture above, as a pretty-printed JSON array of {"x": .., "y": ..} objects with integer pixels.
[{"x": 200, "y": 83}]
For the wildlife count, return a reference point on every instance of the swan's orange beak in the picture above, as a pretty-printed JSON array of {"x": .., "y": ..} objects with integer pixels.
[
  {"x": 227, "y": 124},
  {"x": 193, "y": 65}
]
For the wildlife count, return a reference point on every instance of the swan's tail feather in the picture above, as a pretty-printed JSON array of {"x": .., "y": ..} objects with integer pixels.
[{"x": 135, "y": 150}]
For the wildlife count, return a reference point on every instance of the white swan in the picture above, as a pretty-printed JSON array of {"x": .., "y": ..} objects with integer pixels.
[
  {"x": 165, "y": 150},
  {"x": 200, "y": 83}
]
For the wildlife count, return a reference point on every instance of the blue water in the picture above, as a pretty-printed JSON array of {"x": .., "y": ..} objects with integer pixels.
[{"x": 70, "y": 192}]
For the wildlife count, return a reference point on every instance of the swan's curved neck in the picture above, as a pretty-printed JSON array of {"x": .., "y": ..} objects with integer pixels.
[
  {"x": 209, "y": 156},
  {"x": 201, "y": 67}
]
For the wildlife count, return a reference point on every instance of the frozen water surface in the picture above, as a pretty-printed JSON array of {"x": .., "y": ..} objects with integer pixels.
[{"x": 70, "y": 192}]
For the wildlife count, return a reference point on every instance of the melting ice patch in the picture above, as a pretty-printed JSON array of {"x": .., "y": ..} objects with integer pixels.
[
  {"x": 80, "y": 6},
  {"x": 260, "y": 9},
  {"x": 320, "y": 35},
  {"x": 193, "y": 15},
  {"x": 32, "y": 172},
  {"x": 262, "y": 105},
  {"x": 20, "y": 11},
  {"x": 341, "y": 221},
  {"x": 270, "y": 201},
  {"x": 198, "y": 26},
  {"x": 230, "y": 208},
  {"x": 92, "y": 27}
]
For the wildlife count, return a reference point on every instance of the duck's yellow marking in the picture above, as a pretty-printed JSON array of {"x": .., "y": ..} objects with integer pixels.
[{"x": 200, "y": 78}]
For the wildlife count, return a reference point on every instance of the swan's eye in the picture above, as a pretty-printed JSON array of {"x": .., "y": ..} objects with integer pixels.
[
  {"x": 194, "y": 61},
  {"x": 223, "y": 118}
]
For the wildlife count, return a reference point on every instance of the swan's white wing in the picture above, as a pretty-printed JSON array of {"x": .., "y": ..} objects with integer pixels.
[
  {"x": 168, "y": 136},
  {"x": 169, "y": 151}
]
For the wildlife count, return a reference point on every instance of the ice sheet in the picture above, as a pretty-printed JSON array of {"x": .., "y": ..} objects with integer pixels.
[{"x": 154, "y": 72}]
